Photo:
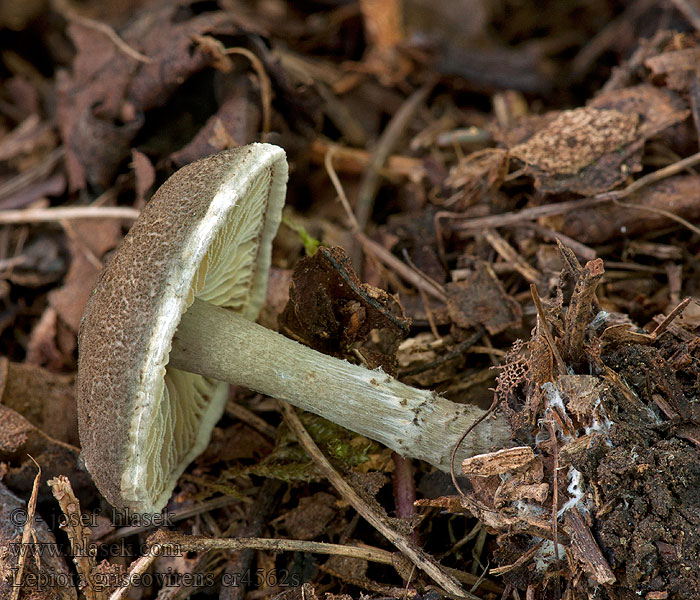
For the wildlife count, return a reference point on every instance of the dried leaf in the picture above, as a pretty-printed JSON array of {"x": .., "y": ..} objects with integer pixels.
[
  {"x": 602, "y": 223},
  {"x": 330, "y": 310},
  {"x": 39, "y": 395},
  {"x": 593, "y": 149},
  {"x": 310, "y": 519},
  {"x": 480, "y": 300},
  {"x": 19, "y": 438},
  {"x": 100, "y": 116},
  {"x": 89, "y": 240},
  {"x": 575, "y": 139}
]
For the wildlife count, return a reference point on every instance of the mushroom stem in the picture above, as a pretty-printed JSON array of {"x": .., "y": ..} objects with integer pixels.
[{"x": 220, "y": 344}]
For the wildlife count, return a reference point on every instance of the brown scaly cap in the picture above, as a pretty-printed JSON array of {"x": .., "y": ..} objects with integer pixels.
[{"x": 130, "y": 318}]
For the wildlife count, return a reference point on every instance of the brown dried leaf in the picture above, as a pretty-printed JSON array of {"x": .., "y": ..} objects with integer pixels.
[
  {"x": 39, "y": 395},
  {"x": 481, "y": 300},
  {"x": 42, "y": 348},
  {"x": 602, "y": 223},
  {"x": 657, "y": 108},
  {"x": 451, "y": 504},
  {"x": 19, "y": 438},
  {"x": 476, "y": 175},
  {"x": 677, "y": 62},
  {"x": 233, "y": 443},
  {"x": 236, "y": 122},
  {"x": 330, "y": 310},
  {"x": 88, "y": 240},
  {"x": 577, "y": 138},
  {"x": 99, "y": 116},
  {"x": 348, "y": 568},
  {"x": 145, "y": 175},
  {"x": 593, "y": 149},
  {"x": 310, "y": 518}
]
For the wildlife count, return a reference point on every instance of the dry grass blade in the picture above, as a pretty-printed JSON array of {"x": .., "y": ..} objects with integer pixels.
[{"x": 27, "y": 535}]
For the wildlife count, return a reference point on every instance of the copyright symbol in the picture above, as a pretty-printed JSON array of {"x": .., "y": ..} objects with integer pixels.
[{"x": 18, "y": 517}]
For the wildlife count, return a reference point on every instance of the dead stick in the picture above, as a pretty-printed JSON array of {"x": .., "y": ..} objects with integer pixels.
[
  {"x": 27, "y": 534},
  {"x": 663, "y": 326},
  {"x": 48, "y": 215},
  {"x": 419, "y": 558},
  {"x": 545, "y": 328},
  {"x": 579, "y": 311},
  {"x": 386, "y": 143}
]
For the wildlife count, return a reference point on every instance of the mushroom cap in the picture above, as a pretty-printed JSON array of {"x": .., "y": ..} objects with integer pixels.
[{"x": 206, "y": 233}]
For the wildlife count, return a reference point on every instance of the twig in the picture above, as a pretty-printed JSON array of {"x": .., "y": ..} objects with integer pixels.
[
  {"x": 663, "y": 326},
  {"x": 584, "y": 548},
  {"x": 545, "y": 328},
  {"x": 257, "y": 517},
  {"x": 661, "y": 211},
  {"x": 84, "y": 248},
  {"x": 386, "y": 257},
  {"x": 548, "y": 210},
  {"x": 386, "y": 143},
  {"x": 578, "y": 314},
  {"x": 78, "y": 535},
  {"x": 333, "y": 176},
  {"x": 64, "y": 8},
  {"x": 527, "y": 214},
  {"x": 522, "y": 559},
  {"x": 27, "y": 534},
  {"x": 371, "y": 247},
  {"x": 456, "y": 352},
  {"x": 689, "y": 11},
  {"x": 265, "y": 85},
  {"x": 438, "y": 286},
  {"x": 36, "y": 173},
  {"x": 582, "y": 250},
  {"x": 489, "y": 412},
  {"x": 166, "y": 542},
  {"x": 658, "y": 175},
  {"x": 48, "y": 215},
  {"x": 354, "y": 161},
  {"x": 508, "y": 253},
  {"x": 176, "y": 515},
  {"x": 248, "y": 417},
  {"x": 421, "y": 559}
]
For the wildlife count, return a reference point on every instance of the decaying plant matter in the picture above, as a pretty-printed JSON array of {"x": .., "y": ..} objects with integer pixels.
[{"x": 609, "y": 465}]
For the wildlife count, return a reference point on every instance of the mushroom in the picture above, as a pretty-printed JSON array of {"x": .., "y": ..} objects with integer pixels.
[{"x": 172, "y": 318}]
